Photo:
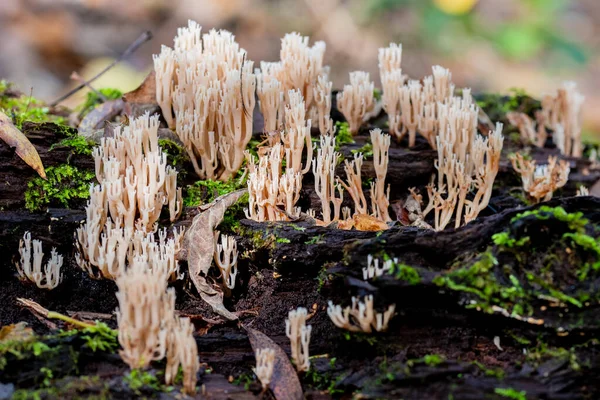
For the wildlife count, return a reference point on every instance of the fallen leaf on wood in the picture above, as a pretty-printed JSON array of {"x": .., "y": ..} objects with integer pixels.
[
  {"x": 284, "y": 382},
  {"x": 346, "y": 224},
  {"x": 23, "y": 147},
  {"x": 145, "y": 93},
  {"x": 18, "y": 332},
  {"x": 200, "y": 245},
  {"x": 96, "y": 118},
  {"x": 201, "y": 324},
  {"x": 364, "y": 222}
]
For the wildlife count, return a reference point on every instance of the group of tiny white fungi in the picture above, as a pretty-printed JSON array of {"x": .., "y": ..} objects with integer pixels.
[{"x": 206, "y": 89}]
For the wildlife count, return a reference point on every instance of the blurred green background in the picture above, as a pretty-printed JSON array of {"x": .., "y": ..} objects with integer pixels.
[{"x": 490, "y": 45}]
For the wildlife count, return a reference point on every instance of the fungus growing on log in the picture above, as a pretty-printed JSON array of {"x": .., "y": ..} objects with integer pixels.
[
  {"x": 182, "y": 350},
  {"x": 225, "y": 257},
  {"x": 380, "y": 198},
  {"x": 360, "y": 317},
  {"x": 122, "y": 212},
  {"x": 373, "y": 268},
  {"x": 211, "y": 88},
  {"x": 356, "y": 100},
  {"x": 325, "y": 183},
  {"x": 30, "y": 265},
  {"x": 265, "y": 359},
  {"x": 145, "y": 314},
  {"x": 299, "y": 334},
  {"x": 562, "y": 112},
  {"x": 540, "y": 181}
]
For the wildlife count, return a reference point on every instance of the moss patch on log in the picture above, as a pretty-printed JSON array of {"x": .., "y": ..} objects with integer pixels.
[{"x": 65, "y": 186}]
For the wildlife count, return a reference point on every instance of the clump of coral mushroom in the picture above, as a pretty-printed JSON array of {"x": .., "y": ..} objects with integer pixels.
[
  {"x": 122, "y": 213},
  {"x": 30, "y": 265},
  {"x": 540, "y": 181},
  {"x": 562, "y": 114},
  {"x": 205, "y": 88}
]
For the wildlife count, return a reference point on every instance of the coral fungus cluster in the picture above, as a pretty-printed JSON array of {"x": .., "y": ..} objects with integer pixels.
[{"x": 207, "y": 90}]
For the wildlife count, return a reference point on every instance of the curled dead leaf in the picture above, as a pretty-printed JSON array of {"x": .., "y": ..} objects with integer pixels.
[
  {"x": 145, "y": 93},
  {"x": 364, "y": 222},
  {"x": 284, "y": 382},
  {"x": 200, "y": 245},
  {"x": 18, "y": 332},
  {"x": 23, "y": 147},
  {"x": 96, "y": 118}
]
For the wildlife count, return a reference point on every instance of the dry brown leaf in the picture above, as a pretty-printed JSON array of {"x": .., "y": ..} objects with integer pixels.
[
  {"x": 364, "y": 222},
  {"x": 284, "y": 382},
  {"x": 23, "y": 147},
  {"x": 145, "y": 93},
  {"x": 346, "y": 224},
  {"x": 96, "y": 118},
  {"x": 200, "y": 245},
  {"x": 18, "y": 332}
]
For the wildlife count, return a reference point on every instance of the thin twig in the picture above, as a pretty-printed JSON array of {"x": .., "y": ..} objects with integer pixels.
[
  {"x": 76, "y": 77},
  {"x": 38, "y": 310},
  {"x": 144, "y": 37}
]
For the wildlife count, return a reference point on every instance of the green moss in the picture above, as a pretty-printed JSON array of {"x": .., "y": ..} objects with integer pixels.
[
  {"x": 233, "y": 215},
  {"x": 511, "y": 393},
  {"x": 496, "y": 106},
  {"x": 366, "y": 150},
  {"x": 25, "y": 108},
  {"x": 575, "y": 221},
  {"x": 64, "y": 185},
  {"x": 59, "y": 354},
  {"x": 23, "y": 349},
  {"x": 504, "y": 239},
  {"x": 343, "y": 134},
  {"x": 360, "y": 337},
  {"x": 92, "y": 99},
  {"x": 433, "y": 359},
  {"x": 139, "y": 380},
  {"x": 405, "y": 273},
  {"x": 4, "y": 86},
  {"x": 377, "y": 94},
  {"x": 260, "y": 240},
  {"x": 176, "y": 154},
  {"x": 524, "y": 271},
  {"x": 66, "y": 388},
  {"x": 578, "y": 356},
  {"x": 323, "y": 277},
  {"x": 245, "y": 379},
  {"x": 282, "y": 240},
  {"x": 99, "y": 337},
  {"x": 497, "y": 373},
  {"x": 204, "y": 192},
  {"x": 253, "y": 147},
  {"x": 479, "y": 280},
  {"x": 315, "y": 240},
  {"x": 325, "y": 381},
  {"x": 78, "y": 145},
  {"x": 589, "y": 244}
]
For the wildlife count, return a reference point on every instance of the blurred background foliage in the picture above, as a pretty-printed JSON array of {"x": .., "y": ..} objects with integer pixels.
[
  {"x": 532, "y": 29},
  {"x": 490, "y": 45}
]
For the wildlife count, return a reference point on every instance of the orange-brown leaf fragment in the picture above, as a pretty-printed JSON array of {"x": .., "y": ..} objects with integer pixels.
[
  {"x": 145, "y": 93},
  {"x": 364, "y": 222},
  {"x": 23, "y": 147},
  {"x": 284, "y": 382},
  {"x": 18, "y": 332}
]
